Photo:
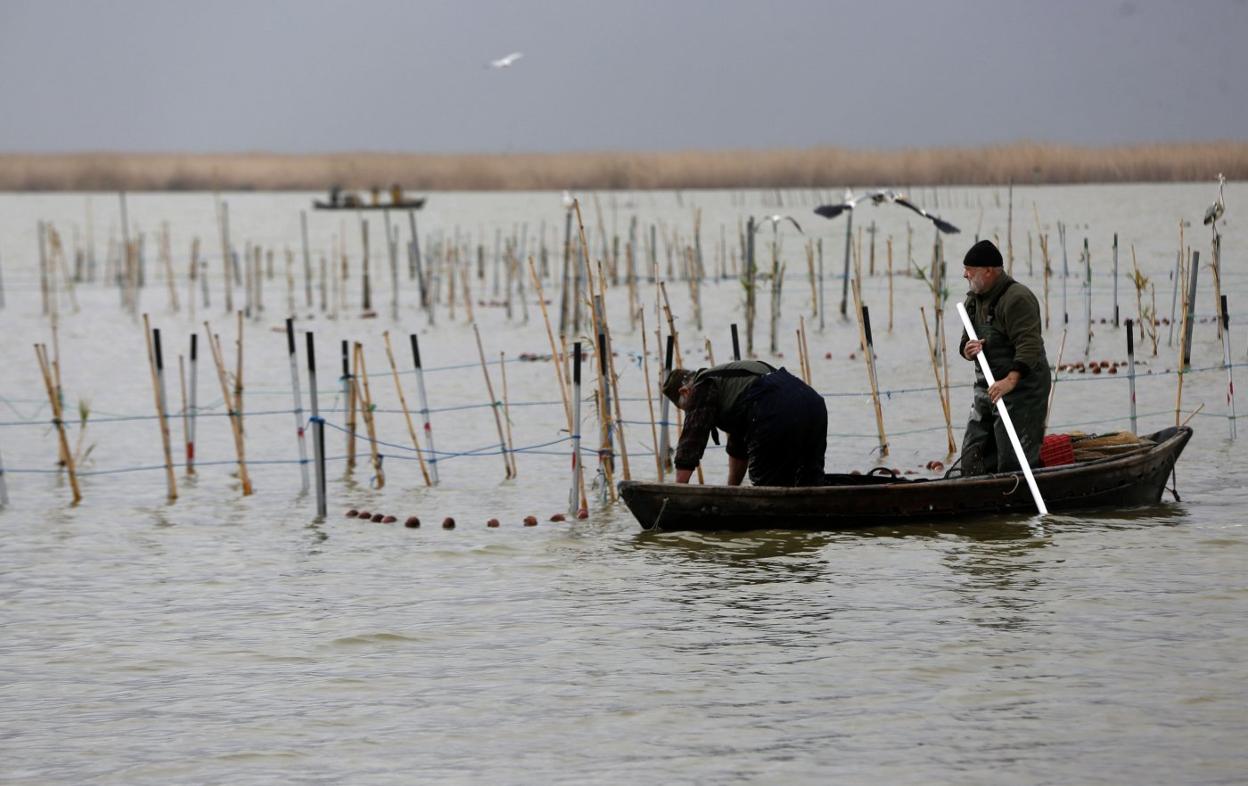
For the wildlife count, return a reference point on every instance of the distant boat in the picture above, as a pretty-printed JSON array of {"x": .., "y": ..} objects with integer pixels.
[{"x": 338, "y": 200}]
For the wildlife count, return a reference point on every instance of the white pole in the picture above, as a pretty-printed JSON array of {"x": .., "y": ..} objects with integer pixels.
[
  {"x": 1005, "y": 416},
  {"x": 574, "y": 493},
  {"x": 318, "y": 429},
  {"x": 1226, "y": 360},
  {"x": 424, "y": 410},
  {"x": 1131, "y": 370},
  {"x": 298, "y": 395}
]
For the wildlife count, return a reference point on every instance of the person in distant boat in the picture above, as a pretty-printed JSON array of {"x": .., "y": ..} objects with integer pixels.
[
  {"x": 777, "y": 425},
  {"x": 1006, "y": 316}
]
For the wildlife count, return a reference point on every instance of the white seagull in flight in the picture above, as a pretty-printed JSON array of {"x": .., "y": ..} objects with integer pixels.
[
  {"x": 776, "y": 220},
  {"x": 506, "y": 62},
  {"x": 877, "y": 197}
]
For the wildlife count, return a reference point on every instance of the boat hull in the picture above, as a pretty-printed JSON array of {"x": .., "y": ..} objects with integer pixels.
[{"x": 1127, "y": 481}]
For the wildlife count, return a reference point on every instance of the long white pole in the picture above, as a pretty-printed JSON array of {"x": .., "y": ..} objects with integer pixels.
[
  {"x": 298, "y": 395},
  {"x": 1226, "y": 361},
  {"x": 574, "y": 497},
  {"x": 1005, "y": 416}
]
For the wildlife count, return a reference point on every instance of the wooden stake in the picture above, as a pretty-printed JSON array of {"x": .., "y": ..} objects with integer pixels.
[
  {"x": 157, "y": 366},
  {"x": 944, "y": 401},
  {"x": 214, "y": 343},
  {"x": 511, "y": 443},
  {"x": 407, "y": 415},
  {"x": 41, "y": 354},
  {"x": 1053, "y": 389},
  {"x": 645, "y": 368},
  {"x": 297, "y": 394},
  {"x": 494, "y": 404},
  {"x": 365, "y": 396}
]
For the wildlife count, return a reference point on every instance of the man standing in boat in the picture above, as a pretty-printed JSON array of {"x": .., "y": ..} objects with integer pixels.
[
  {"x": 777, "y": 425},
  {"x": 1006, "y": 316}
]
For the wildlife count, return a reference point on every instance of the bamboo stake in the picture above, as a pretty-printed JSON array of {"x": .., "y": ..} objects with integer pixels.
[
  {"x": 875, "y": 387},
  {"x": 1056, "y": 370},
  {"x": 489, "y": 387},
  {"x": 890, "y": 284},
  {"x": 511, "y": 444},
  {"x": 365, "y": 397},
  {"x": 41, "y": 354},
  {"x": 554, "y": 349},
  {"x": 645, "y": 369},
  {"x": 214, "y": 343},
  {"x": 166, "y": 257},
  {"x": 944, "y": 402},
  {"x": 157, "y": 366},
  {"x": 407, "y": 415}
]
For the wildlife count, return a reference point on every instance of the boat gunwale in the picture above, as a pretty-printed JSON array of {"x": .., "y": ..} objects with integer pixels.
[{"x": 1047, "y": 474}]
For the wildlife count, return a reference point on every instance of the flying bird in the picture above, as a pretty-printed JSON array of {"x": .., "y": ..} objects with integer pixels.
[
  {"x": 506, "y": 62},
  {"x": 884, "y": 195},
  {"x": 849, "y": 203},
  {"x": 776, "y": 220},
  {"x": 1215, "y": 211}
]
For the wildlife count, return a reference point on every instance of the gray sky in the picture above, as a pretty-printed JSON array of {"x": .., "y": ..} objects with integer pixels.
[{"x": 386, "y": 75}]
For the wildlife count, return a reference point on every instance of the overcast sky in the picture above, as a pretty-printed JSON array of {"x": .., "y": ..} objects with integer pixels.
[{"x": 389, "y": 75}]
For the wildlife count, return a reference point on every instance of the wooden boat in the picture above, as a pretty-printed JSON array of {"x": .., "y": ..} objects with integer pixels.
[
  {"x": 407, "y": 204},
  {"x": 1131, "y": 478}
]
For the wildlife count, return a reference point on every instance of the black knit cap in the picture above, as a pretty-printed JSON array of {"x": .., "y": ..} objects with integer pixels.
[{"x": 982, "y": 254}]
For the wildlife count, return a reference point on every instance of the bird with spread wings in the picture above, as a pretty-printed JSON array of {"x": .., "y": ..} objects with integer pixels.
[{"x": 877, "y": 197}]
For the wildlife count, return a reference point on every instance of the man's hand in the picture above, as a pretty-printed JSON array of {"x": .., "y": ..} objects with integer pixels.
[
  {"x": 683, "y": 475},
  {"x": 736, "y": 470},
  {"x": 972, "y": 349},
  {"x": 1003, "y": 386}
]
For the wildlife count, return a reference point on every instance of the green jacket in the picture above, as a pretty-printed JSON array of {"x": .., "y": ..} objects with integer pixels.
[{"x": 1011, "y": 328}]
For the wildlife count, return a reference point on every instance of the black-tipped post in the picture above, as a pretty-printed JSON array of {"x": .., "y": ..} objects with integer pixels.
[
  {"x": 318, "y": 425},
  {"x": 415, "y": 350},
  {"x": 736, "y": 343},
  {"x": 160, "y": 360}
]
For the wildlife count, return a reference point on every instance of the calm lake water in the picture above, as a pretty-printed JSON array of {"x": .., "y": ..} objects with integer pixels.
[{"x": 224, "y": 638}]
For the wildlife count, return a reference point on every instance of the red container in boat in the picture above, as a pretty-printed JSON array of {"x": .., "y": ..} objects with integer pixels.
[{"x": 1056, "y": 451}]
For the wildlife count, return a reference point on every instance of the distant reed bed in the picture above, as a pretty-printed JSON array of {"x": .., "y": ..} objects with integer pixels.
[{"x": 809, "y": 168}]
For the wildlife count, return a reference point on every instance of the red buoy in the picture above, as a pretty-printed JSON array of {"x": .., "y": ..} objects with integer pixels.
[
  {"x": 412, "y": 522},
  {"x": 352, "y": 513},
  {"x": 558, "y": 517},
  {"x": 492, "y": 523},
  {"x": 530, "y": 521},
  {"x": 377, "y": 517},
  {"x": 448, "y": 523},
  {"x": 583, "y": 513},
  {"x": 364, "y": 514},
  {"x": 389, "y": 520}
]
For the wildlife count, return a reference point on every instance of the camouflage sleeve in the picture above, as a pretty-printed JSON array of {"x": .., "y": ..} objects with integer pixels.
[{"x": 698, "y": 423}]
